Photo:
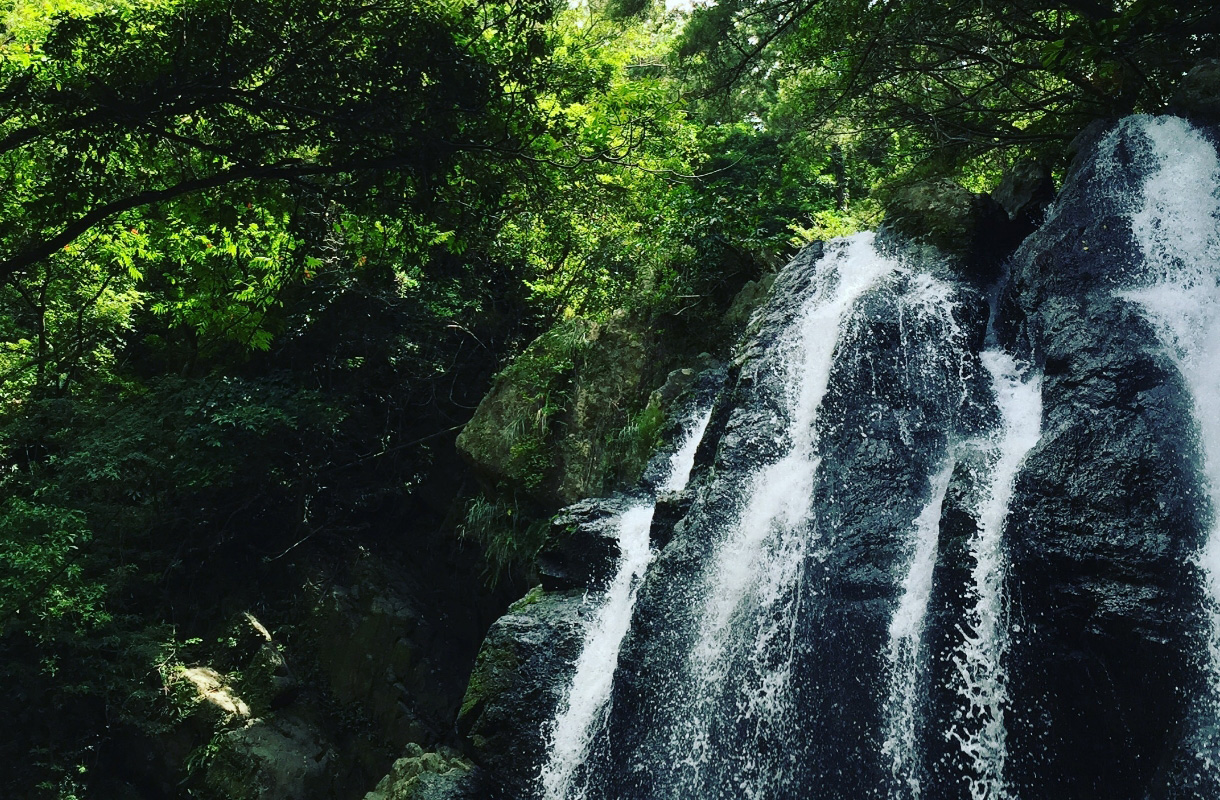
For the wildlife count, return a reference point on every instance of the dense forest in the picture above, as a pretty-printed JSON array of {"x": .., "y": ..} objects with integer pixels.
[{"x": 259, "y": 261}]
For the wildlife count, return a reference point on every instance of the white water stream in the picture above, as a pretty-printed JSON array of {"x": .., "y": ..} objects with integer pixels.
[
  {"x": 906, "y": 636},
  {"x": 584, "y": 710},
  {"x": 762, "y": 554},
  {"x": 979, "y": 659},
  {"x": 1176, "y": 222}
]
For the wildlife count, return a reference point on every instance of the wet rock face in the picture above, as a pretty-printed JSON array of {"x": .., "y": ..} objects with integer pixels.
[
  {"x": 880, "y": 433},
  {"x": 1106, "y": 511},
  {"x": 517, "y": 684},
  {"x": 584, "y": 549}
]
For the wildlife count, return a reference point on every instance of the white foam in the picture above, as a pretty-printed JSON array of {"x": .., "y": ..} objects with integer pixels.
[
  {"x": 683, "y": 460},
  {"x": 906, "y": 635},
  {"x": 753, "y": 588},
  {"x": 979, "y": 660}
]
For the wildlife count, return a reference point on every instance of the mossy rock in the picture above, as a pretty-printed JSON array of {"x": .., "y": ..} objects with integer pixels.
[
  {"x": 420, "y": 775},
  {"x": 283, "y": 758},
  {"x": 519, "y": 677},
  {"x": 509, "y": 440}
]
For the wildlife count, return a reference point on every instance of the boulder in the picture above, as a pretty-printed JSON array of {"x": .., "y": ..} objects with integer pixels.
[
  {"x": 509, "y": 440},
  {"x": 1025, "y": 191},
  {"x": 573, "y": 415},
  {"x": 584, "y": 547},
  {"x": 420, "y": 775},
  {"x": 212, "y": 691},
  {"x": 751, "y": 296},
  {"x": 971, "y": 230},
  {"x": 282, "y": 758},
  {"x": 518, "y": 681},
  {"x": 1198, "y": 96}
]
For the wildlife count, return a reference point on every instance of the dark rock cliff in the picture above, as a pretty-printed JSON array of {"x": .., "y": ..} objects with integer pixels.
[{"x": 1107, "y": 511}]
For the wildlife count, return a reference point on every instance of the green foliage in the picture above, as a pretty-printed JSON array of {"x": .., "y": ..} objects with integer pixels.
[
  {"x": 509, "y": 538},
  {"x": 259, "y": 261},
  {"x": 944, "y": 87},
  {"x": 40, "y": 576},
  {"x": 628, "y": 451},
  {"x": 542, "y": 376}
]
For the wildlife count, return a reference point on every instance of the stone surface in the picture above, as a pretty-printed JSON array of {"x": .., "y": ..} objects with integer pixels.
[
  {"x": 1198, "y": 96},
  {"x": 1025, "y": 191},
  {"x": 875, "y": 422},
  {"x": 970, "y": 230},
  {"x": 212, "y": 689},
  {"x": 747, "y": 301},
  {"x": 518, "y": 681},
  {"x": 584, "y": 548},
  {"x": 1106, "y": 513},
  {"x": 547, "y": 428},
  {"x": 440, "y": 775},
  {"x": 282, "y": 758}
]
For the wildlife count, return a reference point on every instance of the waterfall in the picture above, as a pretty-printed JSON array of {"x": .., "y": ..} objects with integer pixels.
[
  {"x": 1176, "y": 223},
  {"x": 583, "y": 711},
  {"x": 752, "y": 593},
  {"x": 890, "y": 581},
  {"x": 759, "y": 559},
  {"x": 906, "y": 633},
  {"x": 979, "y": 728}
]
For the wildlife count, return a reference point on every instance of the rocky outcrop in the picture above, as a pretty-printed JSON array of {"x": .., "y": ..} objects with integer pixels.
[
  {"x": 285, "y": 758},
  {"x": 973, "y": 233},
  {"x": 1024, "y": 193},
  {"x": 1106, "y": 513},
  {"x": 873, "y": 422},
  {"x": 1199, "y": 95},
  {"x": 577, "y": 413},
  {"x": 970, "y": 230},
  {"x": 518, "y": 681},
  {"x": 584, "y": 547},
  {"x": 544, "y": 426}
]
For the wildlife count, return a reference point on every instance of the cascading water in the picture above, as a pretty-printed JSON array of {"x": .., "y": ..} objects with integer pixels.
[
  {"x": 978, "y": 674},
  {"x": 757, "y": 567},
  {"x": 1176, "y": 223},
  {"x": 582, "y": 713},
  {"x": 979, "y": 727},
  {"x": 887, "y": 581},
  {"x": 856, "y": 322},
  {"x": 906, "y": 633}
]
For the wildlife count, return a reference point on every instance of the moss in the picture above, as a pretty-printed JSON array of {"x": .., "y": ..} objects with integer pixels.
[
  {"x": 531, "y": 597},
  {"x": 420, "y": 775},
  {"x": 492, "y": 671},
  {"x": 511, "y": 437}
]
